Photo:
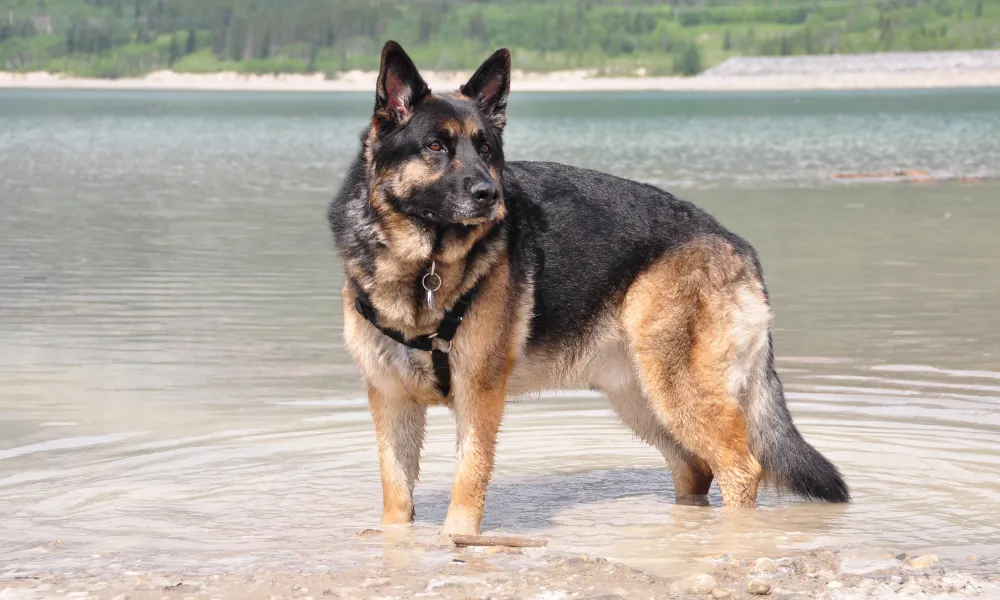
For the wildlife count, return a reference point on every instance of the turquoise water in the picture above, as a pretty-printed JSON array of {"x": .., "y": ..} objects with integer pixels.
[{"x": 173, "y": 388}]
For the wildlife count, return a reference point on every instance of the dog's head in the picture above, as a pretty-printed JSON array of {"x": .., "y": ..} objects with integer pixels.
[{"x": 438, "y": 158}]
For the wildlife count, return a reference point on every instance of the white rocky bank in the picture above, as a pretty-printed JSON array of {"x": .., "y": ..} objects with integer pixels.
[{"x": 511, "y": 574}]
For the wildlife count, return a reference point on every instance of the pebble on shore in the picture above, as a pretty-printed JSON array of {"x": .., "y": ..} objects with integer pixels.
[
  {"x": 699, "y": 583},
  {"x": 758, "y": 587},
  {"x": 765, "y": 565}
]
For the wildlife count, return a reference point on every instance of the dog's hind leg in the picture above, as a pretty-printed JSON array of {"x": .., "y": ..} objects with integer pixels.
[
  {"x": 612, "y": 370},
  {"x": 684, "y": 320},
  {"x": 400, "y": 423},
  {"x": 692, "y": 476}
]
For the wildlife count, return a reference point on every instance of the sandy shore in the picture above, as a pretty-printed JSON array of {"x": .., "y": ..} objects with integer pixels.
[
  {"x": 560, "y": 81},
  {"x": 415, "y": 572}
]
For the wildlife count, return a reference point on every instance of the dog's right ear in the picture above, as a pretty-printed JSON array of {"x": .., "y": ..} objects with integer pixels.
[{"x": 400, "y": 87}]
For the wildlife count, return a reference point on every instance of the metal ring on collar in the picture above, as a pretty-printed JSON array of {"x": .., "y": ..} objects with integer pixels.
[{"x": 436, "y": 285}]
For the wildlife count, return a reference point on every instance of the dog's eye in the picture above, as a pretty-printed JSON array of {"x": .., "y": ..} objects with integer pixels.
[
  {"x": 435, "y": 146},
  {"x": 485, "y": 149}
]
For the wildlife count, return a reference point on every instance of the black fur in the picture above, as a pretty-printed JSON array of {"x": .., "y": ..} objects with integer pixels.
[
  {"x": 790, "y": 462},
  {"x": 591, "y": 234}
]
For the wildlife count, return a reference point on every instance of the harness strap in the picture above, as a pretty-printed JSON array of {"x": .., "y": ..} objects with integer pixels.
[{"x": 438, "y": 343}]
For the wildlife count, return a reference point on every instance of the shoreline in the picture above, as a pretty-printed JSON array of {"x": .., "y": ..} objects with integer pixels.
[
  {"x": 418, "y": 570},
  {"x": 557, "y": 81}
]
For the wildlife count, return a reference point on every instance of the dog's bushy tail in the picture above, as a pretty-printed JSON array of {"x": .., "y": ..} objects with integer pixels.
[{"x": 789, "y": 462}]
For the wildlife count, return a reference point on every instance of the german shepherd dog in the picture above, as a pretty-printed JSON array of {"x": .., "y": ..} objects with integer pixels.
[{"x": 470, "y": 279}]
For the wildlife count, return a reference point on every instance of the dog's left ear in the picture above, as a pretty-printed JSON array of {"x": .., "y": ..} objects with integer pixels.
[{"x": 490, "y": 86}]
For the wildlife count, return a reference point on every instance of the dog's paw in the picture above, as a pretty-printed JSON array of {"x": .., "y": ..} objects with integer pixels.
[
  {"x": 456, "y": 523},
  {"x": 444, "y": 540}
]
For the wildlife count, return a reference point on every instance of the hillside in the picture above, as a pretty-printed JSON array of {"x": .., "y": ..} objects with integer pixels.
[{"x": 127, "y": 38}]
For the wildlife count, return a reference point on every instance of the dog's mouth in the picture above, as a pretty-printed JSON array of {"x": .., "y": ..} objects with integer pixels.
[
  {"x": 467, "y": 220},
  {"x": 477, "y": 220},
  {"x": 484, "y": 218}
]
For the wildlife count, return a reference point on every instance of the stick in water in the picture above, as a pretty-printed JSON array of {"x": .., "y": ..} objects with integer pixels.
[{"x": 496, "y": 540}]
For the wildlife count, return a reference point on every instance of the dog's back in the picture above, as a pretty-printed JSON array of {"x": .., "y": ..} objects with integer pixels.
[{"x": 594, "y": 233}]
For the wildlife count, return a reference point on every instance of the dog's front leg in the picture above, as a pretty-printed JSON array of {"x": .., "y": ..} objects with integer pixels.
[
  {"x": 478, "y": 416},
  {"x": 399, "y": 426}
]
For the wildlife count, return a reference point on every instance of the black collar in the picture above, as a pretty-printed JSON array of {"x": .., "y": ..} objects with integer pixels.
[{"x": 437, "y": 343}]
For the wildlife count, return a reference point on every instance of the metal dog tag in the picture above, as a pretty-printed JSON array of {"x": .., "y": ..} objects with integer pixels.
[{"x": 432, "y": 283}]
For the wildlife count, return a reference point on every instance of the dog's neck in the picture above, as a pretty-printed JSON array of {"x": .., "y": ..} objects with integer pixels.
[{"x": 393, "y": 265}]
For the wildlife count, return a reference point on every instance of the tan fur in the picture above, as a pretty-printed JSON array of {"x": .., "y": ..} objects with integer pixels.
[
  {"x": 415, "y": 173},
  {"x": 401, "y": 384},
  {"x": 369, "y": 145},
  {"x": 399, "y": 428},
  {"x": 478, "y": 415},
  {"x": 467, "y": 127},
  {"x": 687, "y": 324},
  {"x": 484, "y": 362},
  {"x": 605, "y": 363},
  {"x": 470, "y": 128}
]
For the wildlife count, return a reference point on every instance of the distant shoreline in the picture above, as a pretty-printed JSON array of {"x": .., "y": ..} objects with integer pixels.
[
  {"x": 562, "y": 81},
  {"x": 930, "y": 70}
]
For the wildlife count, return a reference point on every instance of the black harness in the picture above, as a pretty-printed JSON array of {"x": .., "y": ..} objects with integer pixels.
[{"x": 437, "y": 343}]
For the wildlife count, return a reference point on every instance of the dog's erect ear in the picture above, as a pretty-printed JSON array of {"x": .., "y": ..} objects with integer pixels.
[
  {"x": 490, "y": 86},
  {"x": 400, "y": 87}
]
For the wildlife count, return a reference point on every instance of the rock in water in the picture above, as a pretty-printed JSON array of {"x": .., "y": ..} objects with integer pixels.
[
  {"x": 369, "y": 533},
  {"x": 922, "y": 562},
  {"x": 758, "y": 587}
]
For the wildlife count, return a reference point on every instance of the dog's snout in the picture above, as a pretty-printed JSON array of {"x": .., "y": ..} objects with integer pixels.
[{"x": 483, "y": 190}]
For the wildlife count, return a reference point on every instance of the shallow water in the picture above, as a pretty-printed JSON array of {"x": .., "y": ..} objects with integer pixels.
[{"x": 173, "y": 388}]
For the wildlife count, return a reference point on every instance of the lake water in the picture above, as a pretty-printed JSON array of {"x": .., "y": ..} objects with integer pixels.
[{"x": 174, "y": 392}]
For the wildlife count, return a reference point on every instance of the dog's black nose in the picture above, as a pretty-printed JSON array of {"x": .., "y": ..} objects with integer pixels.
[{"x": 483, "y": 190}]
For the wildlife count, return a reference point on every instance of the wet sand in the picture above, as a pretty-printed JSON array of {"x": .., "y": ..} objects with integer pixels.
[{"x": 411, "y": 570}]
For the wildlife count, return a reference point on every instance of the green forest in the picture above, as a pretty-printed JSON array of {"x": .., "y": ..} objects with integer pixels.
[{"x": 129, "y": 38}]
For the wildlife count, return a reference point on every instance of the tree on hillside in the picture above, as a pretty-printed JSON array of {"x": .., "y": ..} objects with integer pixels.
[
  {"x": 265, "y": 50},
  {"x": 688, "y": 59},
  {"x": 175, "y": 49},
  {"x": 192, "y": 42}
]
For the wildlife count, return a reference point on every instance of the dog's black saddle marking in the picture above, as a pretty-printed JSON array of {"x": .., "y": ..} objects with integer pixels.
[{"x": 438, "y": 343}]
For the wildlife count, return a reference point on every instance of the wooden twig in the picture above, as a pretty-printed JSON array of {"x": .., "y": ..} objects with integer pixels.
[{"x": 496, "y": 540}]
